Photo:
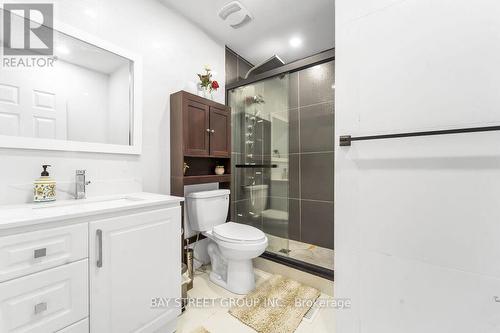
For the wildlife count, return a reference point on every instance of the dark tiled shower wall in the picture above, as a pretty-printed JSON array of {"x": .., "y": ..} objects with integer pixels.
[
  {"x": 311, "y": 140},
  {"x": 236, "y": 67}
]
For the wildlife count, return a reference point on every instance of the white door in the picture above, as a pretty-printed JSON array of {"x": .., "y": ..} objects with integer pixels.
[
  {"x": 133, "y": 259},
  {"x": 32, "y": 106}
]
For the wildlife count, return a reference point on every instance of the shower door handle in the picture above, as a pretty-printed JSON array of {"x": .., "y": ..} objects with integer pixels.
[{"x": 256, "y": 166}]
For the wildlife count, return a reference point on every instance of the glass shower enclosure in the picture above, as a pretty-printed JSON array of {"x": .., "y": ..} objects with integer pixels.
[
  {"x": 267, "y": 153},
  {"x": 260, "y": 155}
]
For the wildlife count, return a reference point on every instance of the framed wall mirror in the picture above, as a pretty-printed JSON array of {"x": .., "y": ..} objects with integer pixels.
[{"x": 88, "y": 98}]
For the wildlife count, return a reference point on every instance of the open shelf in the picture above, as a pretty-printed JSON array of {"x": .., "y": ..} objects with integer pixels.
[{"x": 202, "y": 179}]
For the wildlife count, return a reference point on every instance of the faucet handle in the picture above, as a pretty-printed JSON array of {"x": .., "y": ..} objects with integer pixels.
[{"x": 80, "y": 172}]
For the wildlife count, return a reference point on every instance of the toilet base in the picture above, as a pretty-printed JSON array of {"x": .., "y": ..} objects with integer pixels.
[
  {"x": 240, "y": 277},
  {"x": 237, "y": 276}
]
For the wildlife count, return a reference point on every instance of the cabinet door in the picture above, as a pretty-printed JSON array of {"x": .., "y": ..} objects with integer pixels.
[
  {"x": 133, "y": 259},
  {"x": 196, "y": 129},
  {"x": 220, "y": 132}
]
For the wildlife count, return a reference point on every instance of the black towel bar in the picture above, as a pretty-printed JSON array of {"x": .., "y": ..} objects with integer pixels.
[{"x": 346, "y": 140}]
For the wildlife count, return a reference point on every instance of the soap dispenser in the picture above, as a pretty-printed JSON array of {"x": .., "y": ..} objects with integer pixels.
[{"x": 44, "y": 187}]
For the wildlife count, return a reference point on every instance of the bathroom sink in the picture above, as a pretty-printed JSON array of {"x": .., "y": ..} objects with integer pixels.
[
  {"x": 69, "y": 203},
  {"x": 63, "y": 210}
]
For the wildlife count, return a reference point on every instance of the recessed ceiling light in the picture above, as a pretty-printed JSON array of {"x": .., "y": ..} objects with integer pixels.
[
  {"x": 62, "y": 49},
  {"x": 295, "y": 41}
]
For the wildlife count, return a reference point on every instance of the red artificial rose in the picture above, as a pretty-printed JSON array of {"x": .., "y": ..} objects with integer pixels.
[{"x": 215, "y": 85}]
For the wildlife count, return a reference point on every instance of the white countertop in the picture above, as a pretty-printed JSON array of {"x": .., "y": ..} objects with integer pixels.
[{"x": 14, "y": 216}]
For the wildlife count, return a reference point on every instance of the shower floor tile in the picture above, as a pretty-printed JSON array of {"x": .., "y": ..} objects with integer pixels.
[{"x": 312, "y": 254}]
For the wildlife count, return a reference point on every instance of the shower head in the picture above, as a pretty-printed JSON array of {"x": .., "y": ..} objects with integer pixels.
[{"x": 271, "y": 63}]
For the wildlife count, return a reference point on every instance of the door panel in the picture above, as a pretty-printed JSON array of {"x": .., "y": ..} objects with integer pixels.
[
  {"x": 140, "y": 261},
  {"x": 35, "y": 108},
  {"x": 196, "y": 125},
  {"x": 220, "y": 126}
]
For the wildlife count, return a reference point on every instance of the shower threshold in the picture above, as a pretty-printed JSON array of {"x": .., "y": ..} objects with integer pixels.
[{"x": 307, "y": 257}]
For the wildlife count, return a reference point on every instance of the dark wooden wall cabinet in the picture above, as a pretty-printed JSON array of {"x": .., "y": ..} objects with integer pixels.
[
  {"x": 200, "y": 135},
  {"x": 206, "y": 129}
]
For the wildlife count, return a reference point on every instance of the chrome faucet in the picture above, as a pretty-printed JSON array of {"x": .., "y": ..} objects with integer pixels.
[{"x": 80, "y": 184}]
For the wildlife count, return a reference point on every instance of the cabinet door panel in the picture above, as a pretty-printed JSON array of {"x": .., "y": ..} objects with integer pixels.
[
  {"x": 196, "y": 124},
  {"x": 220, "y": 139},
  {"x": 140, "y": 261}
]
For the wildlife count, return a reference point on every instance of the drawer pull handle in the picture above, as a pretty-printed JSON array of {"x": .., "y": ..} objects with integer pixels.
[
  {"x": 40, "y": 307},
  {"x": 40, "y": 253},
  {"x": 99, "y": 247}
]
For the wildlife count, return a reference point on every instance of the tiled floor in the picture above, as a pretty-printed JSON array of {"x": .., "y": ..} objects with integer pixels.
[
  {"x": 312, "y": 254},
  {"x": 216, "y": 319}
]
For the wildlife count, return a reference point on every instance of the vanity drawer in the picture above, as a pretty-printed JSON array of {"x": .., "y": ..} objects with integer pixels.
[
  {"x": 31, "y": 252},
  {"x": 80, "y": 327},
  {"x": 45, "y": 302}
]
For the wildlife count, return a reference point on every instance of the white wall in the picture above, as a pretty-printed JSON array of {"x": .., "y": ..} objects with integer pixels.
[
  {"x": 86, "y": 101},
  {"x": 417, "y": 220},
  {"x": 173, "y": 51},
  {"x": 119, "y": 106}
]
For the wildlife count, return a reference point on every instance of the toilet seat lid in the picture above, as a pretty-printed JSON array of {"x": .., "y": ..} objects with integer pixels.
[{"x": 238, "y": 232}]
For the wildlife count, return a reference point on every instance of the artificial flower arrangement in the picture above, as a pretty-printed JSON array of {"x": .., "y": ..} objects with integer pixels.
[{"x": 206, "y": 81}]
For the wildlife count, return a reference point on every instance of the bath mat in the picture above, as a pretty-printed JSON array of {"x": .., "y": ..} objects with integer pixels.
[
  {"x": 271, "y": 308},
  {"x": 200, "y": 330}
]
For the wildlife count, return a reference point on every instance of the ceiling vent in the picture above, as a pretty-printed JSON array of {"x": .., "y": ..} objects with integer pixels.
[{"x": 235, "y": 14}]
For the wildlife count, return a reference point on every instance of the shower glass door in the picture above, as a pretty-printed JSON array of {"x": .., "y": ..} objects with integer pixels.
[
  {"x": 260, "y": 158},
  {"x": 283, "y": 162}
]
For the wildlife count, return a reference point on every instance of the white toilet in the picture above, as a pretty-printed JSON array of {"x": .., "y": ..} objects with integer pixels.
[{"x": 232, "y": 246}]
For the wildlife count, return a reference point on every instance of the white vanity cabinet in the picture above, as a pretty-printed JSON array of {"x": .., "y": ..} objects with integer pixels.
[
  {"x": 133, "y": 259},
  {"x": 90, "y": 266}
]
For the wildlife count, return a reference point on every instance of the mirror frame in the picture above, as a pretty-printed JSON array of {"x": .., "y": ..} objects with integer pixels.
[{"x": 18, "y": 142}]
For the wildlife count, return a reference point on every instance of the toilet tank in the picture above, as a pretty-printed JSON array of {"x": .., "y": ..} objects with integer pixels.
[{"x": 207, "y": 209}]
